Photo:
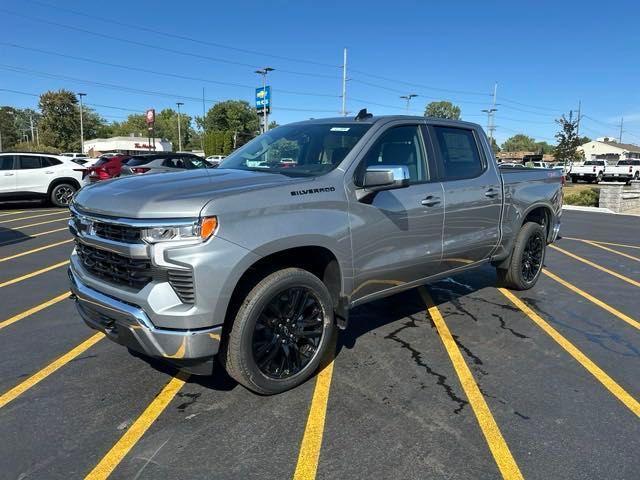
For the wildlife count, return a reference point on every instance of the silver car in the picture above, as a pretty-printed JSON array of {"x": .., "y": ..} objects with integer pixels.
[{"x": 162, "y": 162}]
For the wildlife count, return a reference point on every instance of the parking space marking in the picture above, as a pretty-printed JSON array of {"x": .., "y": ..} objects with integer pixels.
[
  {"x": 602, "y": 243},
  {"x": 6, "y": 214},
  {"x": 39, "y": 249},
  {"x": 33, "y": 235},
  {"x": 309, "y": 455},
  {"x": 19, "y": 227},
  {"x": 610, "y": 384},
  {"x": 617, "y": 252},
  {"x": 497, "y": 444},
  {"x": 32, "y": 310},
  {"x": 37, "y": 377},
  {"x": 133, "y": 434},
  {"x": 595, "y": 265},
  {"x": 32, "y": 216},
  {"x": 591, "y": 298},
  {"x": 33, "y": 274}
]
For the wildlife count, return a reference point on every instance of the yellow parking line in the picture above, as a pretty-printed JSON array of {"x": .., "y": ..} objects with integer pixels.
[
  {"x": 32, "y": 216},
  {"x": 595, "y": 265},
  {"x": 6, "y": 214},
  {"x": 309, "y": 455},
  {"x": 33, "y": 235},
  {"x": 593, "y": 299},
  {"x": 39, "y": 249},
  {"x": 610, "y": 384},
  {"x": 33, "y": 274},
  {"x": 49, "y": 369},
  {"x": 498, "y": 446},
  {"x": 18, "y": 227},
  {"x": 33, "y": 310},
  {"x": 603, "y": 243},
  {"x": 111, "y": 460},
  {"x": 626, "y": 255}
]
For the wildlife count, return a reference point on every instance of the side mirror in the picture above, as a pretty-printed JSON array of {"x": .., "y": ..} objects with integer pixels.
[{"x": 386, "y": 177}]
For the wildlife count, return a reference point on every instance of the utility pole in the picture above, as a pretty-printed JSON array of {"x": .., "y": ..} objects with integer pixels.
[
  {"x": 33, "y": 138},
  {"x": 265, "y": 115},
  {"x": 579, "y": 117},
  {"x": 344, "y": 83},
  {"x": 490, "y": 115},
  {"x": 81, "y": 124},
  {"x": 204, "y": 114},
  {"x": 408, "y": 99},
  {"x": 621, "y": 123},
  {"x": 179, "y": 122}
]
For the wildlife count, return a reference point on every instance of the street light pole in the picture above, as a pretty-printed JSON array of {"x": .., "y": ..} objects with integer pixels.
[
  {"x": 265, "y": 115},
  {"x": 81, "y": 124},
  {"x": 179, "y": 132},
  {"x": 408, "y": 99}
]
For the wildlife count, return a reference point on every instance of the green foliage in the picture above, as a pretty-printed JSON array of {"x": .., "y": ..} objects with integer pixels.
[
  {"x": 584, "y": 139},
  {"x": 8, "y": 127},
  {"x": 218, "y": 143},
  {"x": 443, "y": 109},
  {"x": 520, "y": 143},
  {"x": 60, "y": 124},
  {"x": 232, "y": 116},
  {"x": 494, "y": 145},
  {"x": 33, "y": 147},
  {"x": 585, "y": 198},
  {"x": 166, "y": 126},
  {"x": 568, "y": 141},
  {"x": 544, "y": 147}
]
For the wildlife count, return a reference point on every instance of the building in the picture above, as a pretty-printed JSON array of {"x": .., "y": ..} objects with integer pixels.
[
  {"x": 129, "y": 145},
  {"x": 609, "y": 151}
]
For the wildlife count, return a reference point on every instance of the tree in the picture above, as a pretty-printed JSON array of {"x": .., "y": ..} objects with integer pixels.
[
  {"x": 494, "y": 145},
  {"x": 584, "y": 139},
  {"x": 166, "y": 126},
  {"x": 443, "y": 109},
  {"x": 232, "y": 115},
  {"x": 8, "y": 128},
  {"x": 544, "y": 148},
  {"x": 568, "y": 140},
  {"x": 520, "y": 143},
  {"x": 60, "y": 124}
]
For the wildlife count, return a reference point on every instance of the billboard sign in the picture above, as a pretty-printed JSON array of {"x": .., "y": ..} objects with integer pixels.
[
  {"x": 150, "y": 116},
  {"x": 263, "y": 99}
]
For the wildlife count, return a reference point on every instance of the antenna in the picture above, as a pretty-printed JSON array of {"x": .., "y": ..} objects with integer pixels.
[{"x": 363, "y": 114}]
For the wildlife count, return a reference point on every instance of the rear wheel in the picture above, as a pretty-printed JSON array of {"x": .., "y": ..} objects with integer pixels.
[
  {"x": 62, "y": 194},
  {"x": 280, "y": 332},
  {"x": 527, "y": 258},
  {"x": 599, "y": 177}
]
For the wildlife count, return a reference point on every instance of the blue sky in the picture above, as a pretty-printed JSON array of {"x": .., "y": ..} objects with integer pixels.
[{"x": 545, "y": 56}]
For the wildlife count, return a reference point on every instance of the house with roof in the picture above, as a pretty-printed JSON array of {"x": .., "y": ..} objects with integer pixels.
[{"x": 609, "y": 151}]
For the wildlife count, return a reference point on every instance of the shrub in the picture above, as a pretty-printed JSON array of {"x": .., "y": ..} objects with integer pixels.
[
  {"x": 32, "y": 147},
  {"x": 584, "y": 198}
]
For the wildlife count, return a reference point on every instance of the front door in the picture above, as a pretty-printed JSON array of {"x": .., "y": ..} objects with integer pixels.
[
  {"x": 7, "y": 175},
  {"x": 397, "y": 234}
]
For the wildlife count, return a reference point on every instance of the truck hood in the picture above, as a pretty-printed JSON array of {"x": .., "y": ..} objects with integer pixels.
[{"x": 171, "y": 195}]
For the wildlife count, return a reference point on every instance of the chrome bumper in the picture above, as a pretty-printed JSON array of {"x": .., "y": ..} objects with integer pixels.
[{"x": 129, "y": 325}]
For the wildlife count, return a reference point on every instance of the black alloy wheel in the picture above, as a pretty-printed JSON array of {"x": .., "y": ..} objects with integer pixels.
[
  {"x": 288, "y": 333},
  {"x": 532, "y": 257}
]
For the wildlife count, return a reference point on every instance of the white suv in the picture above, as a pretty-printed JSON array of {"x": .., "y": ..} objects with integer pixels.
[{"x": 39, "y": 175}]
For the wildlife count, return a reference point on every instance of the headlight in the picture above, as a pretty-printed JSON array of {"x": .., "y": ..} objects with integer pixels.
[{"x": 200, "y": 230}]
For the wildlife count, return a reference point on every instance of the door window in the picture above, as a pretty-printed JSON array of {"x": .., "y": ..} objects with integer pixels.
[
  {"x": 398, "y": 146},
  {"x": 459, "y": 153},
  {"x": 6, "y": 162},
  {"x": 29, "y": 162}
]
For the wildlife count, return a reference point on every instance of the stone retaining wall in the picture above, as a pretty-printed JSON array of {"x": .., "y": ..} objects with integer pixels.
[{"x": 618, "y": 197}]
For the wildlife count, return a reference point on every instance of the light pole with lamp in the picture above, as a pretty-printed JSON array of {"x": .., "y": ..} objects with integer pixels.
[
  {"x": 408, "y": 99},
  {"x": 265, "y": 116},
  {"x": 179, "y": 122}
]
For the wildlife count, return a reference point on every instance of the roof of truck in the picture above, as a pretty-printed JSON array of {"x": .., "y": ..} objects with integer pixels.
[{"x": 387, "y": 118}]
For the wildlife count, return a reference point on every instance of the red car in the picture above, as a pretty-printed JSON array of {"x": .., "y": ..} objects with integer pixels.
[{"x": 107, "y": 167}]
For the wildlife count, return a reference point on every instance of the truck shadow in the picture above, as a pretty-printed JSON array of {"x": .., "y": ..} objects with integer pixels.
[{"x": 11, "y": 237}]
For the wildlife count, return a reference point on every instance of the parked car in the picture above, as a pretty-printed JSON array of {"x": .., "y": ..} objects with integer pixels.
[
  {"x": 107, "y": 167},
  {"x": 259, "y": 265},
  {"x": 39, "y": 175},
  {"x": 625, "y": 170},
  {"x": 590, "y": 171},
  {"x": 162, "y": 162},
  {"x": 215, "y": 160},
  {"x": 540, "y": 165},
  {"x": 74, "y": 155},
  {"x": 511, "y": 165}
]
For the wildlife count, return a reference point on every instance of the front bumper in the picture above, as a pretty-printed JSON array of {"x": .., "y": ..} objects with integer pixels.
[{"x": 129, "y": 325}]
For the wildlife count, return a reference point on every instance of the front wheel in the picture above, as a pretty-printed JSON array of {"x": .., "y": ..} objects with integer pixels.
[
  {"x": 62, "y": 194},
  {"x": 527, "y": 258},
  {"x": 280, "y": 332}
]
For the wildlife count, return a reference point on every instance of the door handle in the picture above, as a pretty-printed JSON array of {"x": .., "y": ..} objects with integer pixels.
[
  {"x": 491, "y": 193},
  {"x": 9, "y": 174},
  {"x": 430, "y": 201},
  {"x": 49, "y": 173}
]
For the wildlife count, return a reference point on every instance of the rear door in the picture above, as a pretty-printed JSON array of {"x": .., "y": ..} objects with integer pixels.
[
  {"x": 34, "y": 174},
  {"x": 472, "y": 196},
  {"x": 7, "y": 174}
]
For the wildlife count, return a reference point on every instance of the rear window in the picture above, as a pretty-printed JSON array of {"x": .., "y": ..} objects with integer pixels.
[
  {"x": 6, "y": 163},
  {"x": 594, "y": 162},
  {"x": 137, "y": 161},
  {"x": 629, "y": 162},
  {"x": 101, "y": 162}
]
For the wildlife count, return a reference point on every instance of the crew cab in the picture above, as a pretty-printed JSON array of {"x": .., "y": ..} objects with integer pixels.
[
  {"x": 590, "y": 171},
  {"x": 258, "y": 261},
  {"x": 625, "y": 170},
  {"x": 25, "y": 176}
]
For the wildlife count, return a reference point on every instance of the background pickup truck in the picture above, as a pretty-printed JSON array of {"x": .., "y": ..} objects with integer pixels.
[
  {"x": 625, "y": 170},
  {"x": 259, "y": 260},
  {"x": 590, "y": 171}
]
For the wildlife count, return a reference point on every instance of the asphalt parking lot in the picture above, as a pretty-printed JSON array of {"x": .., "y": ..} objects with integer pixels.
[{"x": 456, "y": 380}]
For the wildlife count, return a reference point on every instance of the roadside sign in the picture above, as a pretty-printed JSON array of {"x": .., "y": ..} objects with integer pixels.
[
  {"x": 263, "y": 99},
  {"x": 150, "y": 116}
]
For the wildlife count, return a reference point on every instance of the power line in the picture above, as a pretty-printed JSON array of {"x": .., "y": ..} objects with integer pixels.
[{"x": 531, "y": 106}]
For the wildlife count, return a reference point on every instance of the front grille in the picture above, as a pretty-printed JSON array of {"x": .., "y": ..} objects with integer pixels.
[
  {"x": 182, "y": 283},
  {"x": 118, "y": 233},
  {"x": 114, "y": 267}
]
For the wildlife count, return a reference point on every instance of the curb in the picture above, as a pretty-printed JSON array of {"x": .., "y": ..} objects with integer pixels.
[{"x": 587, "y": 209}]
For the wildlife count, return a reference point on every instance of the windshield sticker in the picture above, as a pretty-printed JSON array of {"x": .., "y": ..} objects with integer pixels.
[
  {"x": 340, "y": 129},
  {"x": 313, "y": 190}
]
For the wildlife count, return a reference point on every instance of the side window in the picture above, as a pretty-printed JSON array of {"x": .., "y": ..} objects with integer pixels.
[
  {"x": 6, "y": 162},
  {"x": 29, "y": 162},
  {"x": 459, "y": 153},
  {"x": 50, "y": 162},
  {"x": 398, "y": 146},
  {"x": 175, "y": 162}
]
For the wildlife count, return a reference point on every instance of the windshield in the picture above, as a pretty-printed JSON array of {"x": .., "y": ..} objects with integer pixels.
[
  {"x": 298, "y": 150},
  {"x": 594, "y": 162}
]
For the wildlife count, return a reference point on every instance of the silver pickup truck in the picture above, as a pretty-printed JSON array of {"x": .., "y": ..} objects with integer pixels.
[{"x": 258, "y": 261}]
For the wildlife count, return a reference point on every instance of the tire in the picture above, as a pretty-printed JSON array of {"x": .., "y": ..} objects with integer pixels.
[
  {"x": 636, "y": 176},
  {"x": 513, "y": 277},
  {"x": 264, "y": 331},
  {"x": 62, "y": 194},
  {"x": 600, "y": 177}
]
